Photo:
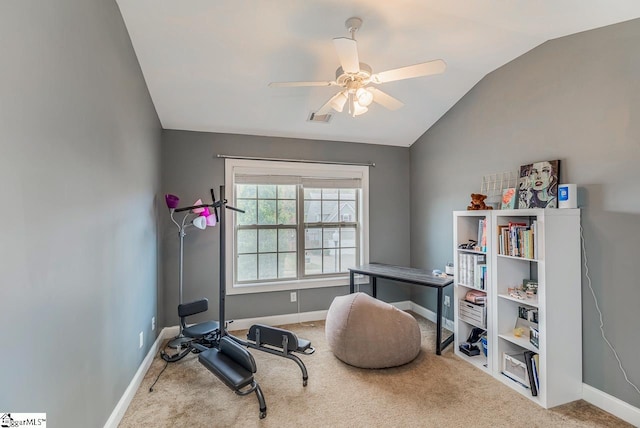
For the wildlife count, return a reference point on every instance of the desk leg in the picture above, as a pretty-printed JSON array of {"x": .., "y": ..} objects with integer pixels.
[
  {"x": 439, "y": 323},
  {"x": 374, "y": 286},
  {"x": 441, "y": 345},
  {"x": 352, "y": 283}
]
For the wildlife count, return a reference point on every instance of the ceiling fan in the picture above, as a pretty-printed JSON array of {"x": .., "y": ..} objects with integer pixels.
[{"x": 355, "y": 78}]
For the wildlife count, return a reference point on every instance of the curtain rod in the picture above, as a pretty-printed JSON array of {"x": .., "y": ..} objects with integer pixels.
[{"x": 296, "y": 160}]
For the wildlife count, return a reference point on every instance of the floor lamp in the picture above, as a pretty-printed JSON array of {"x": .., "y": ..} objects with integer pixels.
[{"x": 197, "y": 216}]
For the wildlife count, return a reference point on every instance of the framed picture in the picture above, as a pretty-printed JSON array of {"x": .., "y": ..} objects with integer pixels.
[
  {"x": 508, "y": 199},
  {"x": 538, "y": 185}
]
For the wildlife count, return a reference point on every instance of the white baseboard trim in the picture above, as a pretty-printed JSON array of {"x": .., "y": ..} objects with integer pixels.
[
  {"x": 245, "y": 323},
  {"x": 611, "y": 404},
  {"x": 125, "y": 400},
  {"x": 428, "y": 314}
]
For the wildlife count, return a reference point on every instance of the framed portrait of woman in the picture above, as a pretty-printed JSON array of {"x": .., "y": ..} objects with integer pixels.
[{"x": 538, "y": 185}]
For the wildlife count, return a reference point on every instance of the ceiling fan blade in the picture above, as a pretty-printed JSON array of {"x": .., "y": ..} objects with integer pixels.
[
  {"x": 424, "y": 69},
  {"x": 336, "y": 102},
  {"x": 347, "y": 50},
  {"x": 385, "y": 99},
  {"x": 295, "y": 84}
]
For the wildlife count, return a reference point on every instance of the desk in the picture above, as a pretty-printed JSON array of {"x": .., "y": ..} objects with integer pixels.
[{"x": 411, "y": 276}]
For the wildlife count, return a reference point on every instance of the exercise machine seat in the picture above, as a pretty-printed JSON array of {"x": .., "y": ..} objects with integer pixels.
[
  {"x": 365, "y": 332},
  {"x": 199, "y": 330},
  {"x": 235, "y": 366},
  {"x": 232, "y": 363}
]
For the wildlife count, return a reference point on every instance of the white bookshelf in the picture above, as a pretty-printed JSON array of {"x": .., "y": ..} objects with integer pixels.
[
  {"x": 556, "y": 267},
  {"x": 465, "y": 228}
]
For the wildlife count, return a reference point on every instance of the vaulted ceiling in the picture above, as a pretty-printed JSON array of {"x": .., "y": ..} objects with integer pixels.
[{"x": 208, "y": 63}]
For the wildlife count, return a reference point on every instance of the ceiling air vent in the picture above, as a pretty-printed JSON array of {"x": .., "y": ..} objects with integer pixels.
[{"x": 322, "y": 118}]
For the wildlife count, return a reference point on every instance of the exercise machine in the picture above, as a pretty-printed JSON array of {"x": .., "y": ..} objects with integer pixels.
[{"x": 223, "y": 354}]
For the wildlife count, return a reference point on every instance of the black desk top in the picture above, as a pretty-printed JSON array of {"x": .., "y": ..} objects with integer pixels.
[{"x": 401, "y": 273}]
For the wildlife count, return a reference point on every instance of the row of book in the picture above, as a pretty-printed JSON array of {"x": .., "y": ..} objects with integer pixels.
[
  {"x": 472, "y": 270},
  {"x": 518, "y": 240}
]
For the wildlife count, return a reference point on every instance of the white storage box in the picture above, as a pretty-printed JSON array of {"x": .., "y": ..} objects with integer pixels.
[
  {"x": 514, "y": 367},
  {"x": 472, "y": 313}
]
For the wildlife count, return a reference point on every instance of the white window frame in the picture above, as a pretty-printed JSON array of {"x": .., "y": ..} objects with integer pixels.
[{"x": 258, "y": 167}]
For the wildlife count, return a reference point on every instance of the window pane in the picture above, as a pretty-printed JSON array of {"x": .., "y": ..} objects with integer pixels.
[
  {"x": 347, "y": 259},
  {"x": 331, "y": 261},
  {"x": 267, "y": 242},
  {"x": 313, "y": 262},
  {"x": 246, "y": 190},
  {"x": 266, "y": 211},
  {"x": 287, "y": 212},
  {"x": 348, "y": 237},
  {"x": 312, "y": 193},
  {"x": 286, "y": 191},
  {"x": 287, "y": 240},
  {"x": 267, "y": 266},
  {"x": 348, "y": 194},
  {"x": 329, "y": 193},
  {"x": 247, "y": 267},
  {"x": 247, "y": 242},
  {"x": 250, "y": 211},
  {"x": 331, "y": 237},
  {"x": 313, "y": 237},
  {"x": 266, "y": 191},
  {"x": 287, "y": 265},
  {"x": 312, "y": 212},
  {"x": 347, "y": 211},
  {"x": 330, "y": 211}
]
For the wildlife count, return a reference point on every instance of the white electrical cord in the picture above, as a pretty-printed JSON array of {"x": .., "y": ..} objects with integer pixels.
[{"x": 586, "y": 274}]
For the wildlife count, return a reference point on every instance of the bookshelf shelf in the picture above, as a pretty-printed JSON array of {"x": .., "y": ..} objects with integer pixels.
[
  {"x": 528, "y": 302},
  {"x": 524, "y": 259},
  {"x": 523, "y": 342},
  {"x": 550, "y": 241}
]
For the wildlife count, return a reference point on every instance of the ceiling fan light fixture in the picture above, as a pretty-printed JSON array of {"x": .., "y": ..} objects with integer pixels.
[
  {"x": 358, "y": 109},
  {"x": 364, "y": 97},
  {"x": 353, "y": 78},
  {"x": 338, "y": 102}
]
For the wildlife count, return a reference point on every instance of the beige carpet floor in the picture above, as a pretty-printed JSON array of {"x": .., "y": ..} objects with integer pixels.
[{"x": 431, "y": 391}]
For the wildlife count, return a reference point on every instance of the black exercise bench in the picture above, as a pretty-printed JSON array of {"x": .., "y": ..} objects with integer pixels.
[{"x": 235, "y": 366}]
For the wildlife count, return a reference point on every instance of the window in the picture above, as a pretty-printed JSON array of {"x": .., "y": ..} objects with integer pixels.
[{"x": 304, "y": 225}]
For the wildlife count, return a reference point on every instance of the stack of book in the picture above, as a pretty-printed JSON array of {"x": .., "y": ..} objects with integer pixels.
[{"x": 472, "y": 269}]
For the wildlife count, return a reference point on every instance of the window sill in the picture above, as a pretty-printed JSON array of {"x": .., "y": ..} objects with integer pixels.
[{"x": 340, "y": 281}]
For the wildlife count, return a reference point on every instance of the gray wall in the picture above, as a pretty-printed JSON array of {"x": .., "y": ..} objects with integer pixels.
[
  {"x": 576, "y": 99},
  {"x": 190, "y": 168},
  {"x": 79, "y": 171}
]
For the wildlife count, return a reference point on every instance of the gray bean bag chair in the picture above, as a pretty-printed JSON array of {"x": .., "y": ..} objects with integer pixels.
[{"x": 368, "y": 333}]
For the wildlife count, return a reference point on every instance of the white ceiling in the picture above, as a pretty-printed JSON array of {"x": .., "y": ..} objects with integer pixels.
[{"x": 207, "y": 63}]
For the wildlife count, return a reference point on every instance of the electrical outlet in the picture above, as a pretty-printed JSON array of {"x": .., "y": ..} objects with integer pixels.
[
  {"x": 447, "y": 301},
  {"x": 141, "y": 339},
  {"x": 294, "y": 296},
  {"x": 153, "y": 323}
]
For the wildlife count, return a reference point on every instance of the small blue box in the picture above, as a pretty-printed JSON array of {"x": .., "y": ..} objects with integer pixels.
[{"x": 484, "y": 345}]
